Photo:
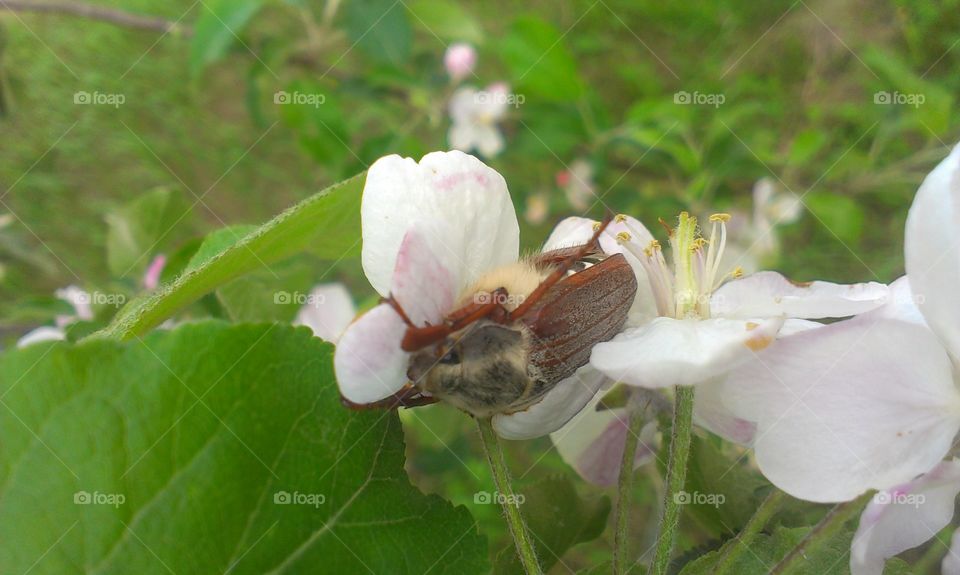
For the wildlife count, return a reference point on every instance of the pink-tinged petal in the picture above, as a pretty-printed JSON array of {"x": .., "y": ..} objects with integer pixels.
[
  {"x": 933, "y": 250},
  {"x": 711, "y": 413},
  {"x": 460, "y": 205},
  {"x": 368, "y": 361},
  {"x": 951, "y": 562},
  {"x": 151, "y": 279},
  {"x": 560, "y": 404},
  {"x": 44, "y": 333},
  {"x": 855, "y": 405},
  {"x": 328, "y": 311},
  {"x": 667, "y": 352},
  {"x": 593, "y": 441},
  {"x": 767, "y": 294},
  {"x": 459, "y": 60},
  {"x": 422, "y": 286},
  {"x": 79, "y": 299},
  {"x": 462, "y": 105},
  {"x": 904, "y": 517}
]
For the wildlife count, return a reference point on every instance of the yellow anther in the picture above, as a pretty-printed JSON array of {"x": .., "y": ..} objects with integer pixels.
[
  {"x": 620, "y": 218},
  {"x": 654, "y": 245},
  {"x": 721, "y": 217},
  {"x": 596, "y": 226},
  {"x": 737, "y": 272},
  {"x": 623, "y": 237},
  {"x": 699, "y": 243}
]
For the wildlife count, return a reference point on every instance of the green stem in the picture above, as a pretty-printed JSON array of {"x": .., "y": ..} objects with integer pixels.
[
  {"x": 676, "y": 477},
  {"x": 625, "y": 482},
  {"x": 760, "y": 518},
  {"x": 828, "y": 527},
  {"x": 511, "y": 509}
]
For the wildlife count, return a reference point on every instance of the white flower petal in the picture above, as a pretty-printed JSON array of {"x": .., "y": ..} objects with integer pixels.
[
  {"x": 904, "y": 517},
  {"x": 667, "y": 352},
  {"x": 767, "y": 294},
  {"x": 900, "y": 304},
  {"x": 951, "y": 562},
  {"x": 328, "y": 311},
  {"x": 79, "y": 299},
  {"x": 488, "y": 140},
  {"x": 711, "y": 413},
  {"x": 561, "y": 403},
  {"x": 570, "y": 232},
  {"x": 43, "y": 333},
  {"x": 368, "y": 361},
  {"x": 593, "y": 441},
  {"x": 933, "y": 250},
  {"x": 461, "y": 206},
  {"x": 859, "y": 404},
  {"x": 422, "y": 285},
  {"x": 462, "y": 104}
]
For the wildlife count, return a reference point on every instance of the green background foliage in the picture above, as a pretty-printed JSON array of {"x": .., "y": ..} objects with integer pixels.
[{"x": 201, "y": 164}]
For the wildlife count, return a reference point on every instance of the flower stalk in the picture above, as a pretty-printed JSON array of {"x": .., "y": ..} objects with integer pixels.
[
  {"x": 829, "y": 526},
  {"x": 511, "y": 509},
  {"x": 625, "y": 485},
  {"x": 676, "y": 478},
  {"x": 763, "y": 514}
]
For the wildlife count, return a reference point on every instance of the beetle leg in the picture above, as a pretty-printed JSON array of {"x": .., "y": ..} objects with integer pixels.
[
  {"x": 559, "y": 273},
  {"x": 409, "y": 396}
]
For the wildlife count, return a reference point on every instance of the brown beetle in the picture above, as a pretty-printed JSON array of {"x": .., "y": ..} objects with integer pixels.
[{"x": 518, "y": 331}]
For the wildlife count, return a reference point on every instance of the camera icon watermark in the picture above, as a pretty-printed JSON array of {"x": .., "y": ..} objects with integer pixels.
[
  {"x": 299, "y": 98},
  {"x": 698, "y": 99},
  {"x": 499, "y": 97},
  {"x": 488, "y": 498},
  {"x": 98, "y": 99},
  {"x": 697, "y": 498},
  {"x": 497, "y": 297},
  {"x": 296, "y": 498},
  {"x": 899, "y": 498},
  {"x": 299, "y": 298},
  {"x": 884, "y": 98},
  {"x": 97, "y": 498}
]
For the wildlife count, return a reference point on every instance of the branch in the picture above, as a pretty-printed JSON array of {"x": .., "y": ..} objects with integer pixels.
[{"x": 101, "y": 13}]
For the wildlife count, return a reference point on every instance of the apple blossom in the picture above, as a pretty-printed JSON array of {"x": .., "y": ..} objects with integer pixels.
[
  {"x": 904, "y": 517},
  {"x": 151, "y": 279},
  {"x": 430, "y": 230},
  {"x": 459, "y": 60},
  {"x": 873, "y": 401},
  {"x": 474, "y": 115},
  {"x": 327, "y": 312},
  {"x": 577, "y": 183},
  {"x": 82, "y": 310}
]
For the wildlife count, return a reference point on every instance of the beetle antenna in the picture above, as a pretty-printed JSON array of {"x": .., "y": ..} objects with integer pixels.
[{"x": 561, "y": 271}]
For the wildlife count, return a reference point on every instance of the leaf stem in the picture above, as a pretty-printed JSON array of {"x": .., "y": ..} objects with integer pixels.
[
  {"x": 625, "y": 483},
  {"x": 511, "y": 509},
  {"x": 822, "y": 532},
  {"x": 760, "y": 518},
  {"x": 676, "y": 477}
]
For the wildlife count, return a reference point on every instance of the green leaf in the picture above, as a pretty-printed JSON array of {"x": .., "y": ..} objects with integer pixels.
[
  {"x": 327, "y": 224},
  {"x": 832, "y": 558},
  {"x": 218, "y": 27},
  {"x": 540, "y": 63},
  {"x": 446, "y": 20},
  {"x": 380, "y": 29},
  {"x": 218, "y": 241},
  {"x": 142, "y": 227},
  {"x": 270, "y": 294},
  {"x": 559, "y": 519},
  {"x": 227, "y": 451},
  {"x": 724, "y": 489},
  {"x": 842, "y": 216}
]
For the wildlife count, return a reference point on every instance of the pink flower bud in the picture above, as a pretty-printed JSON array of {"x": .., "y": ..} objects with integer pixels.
[
  {"x": 460, "y": 60},
  {"x": 151, "y": 279}
]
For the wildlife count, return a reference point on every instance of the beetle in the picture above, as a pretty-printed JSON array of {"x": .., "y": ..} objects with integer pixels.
[{"x": 518, "y": 331}]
